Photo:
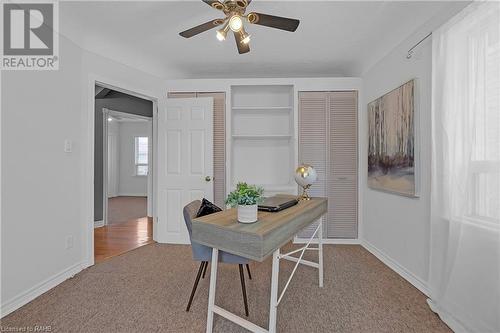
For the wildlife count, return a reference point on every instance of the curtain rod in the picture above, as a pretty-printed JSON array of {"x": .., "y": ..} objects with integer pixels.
[{"x": 410, "y": 51}]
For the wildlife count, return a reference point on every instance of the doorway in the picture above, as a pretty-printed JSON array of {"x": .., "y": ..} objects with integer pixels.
[{"x": 123, "y": 184}]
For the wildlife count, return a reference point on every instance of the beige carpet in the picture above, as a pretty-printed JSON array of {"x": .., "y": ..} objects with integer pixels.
[
  {"x": 146, "y": 290},
  {"x": 123, "y": 209}
]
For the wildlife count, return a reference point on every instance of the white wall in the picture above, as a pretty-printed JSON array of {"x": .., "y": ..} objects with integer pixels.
[
  {"x": 128, "y": 183},
  {"x": 41, "y": 197},
  {"x": 47, "y": 193},
  {"x": 113, "y": 158},
  {"x": 397, "y": 228}
]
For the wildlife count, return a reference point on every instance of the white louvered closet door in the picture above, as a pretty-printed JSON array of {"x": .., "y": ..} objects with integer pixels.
[
  {"x": 328, "y": 141},
  {"x": 219, "y": 145},
  {"x": 219, "y": 152},
  {"x": 343, "y": 165},
  {"x": 313, "y": 143}
]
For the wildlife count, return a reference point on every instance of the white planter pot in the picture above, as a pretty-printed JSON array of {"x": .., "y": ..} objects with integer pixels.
[{"x": 247, "y": 213}]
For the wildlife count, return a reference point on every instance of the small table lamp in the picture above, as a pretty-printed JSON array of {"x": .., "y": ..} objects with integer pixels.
[{"x": 305, "y": 176}]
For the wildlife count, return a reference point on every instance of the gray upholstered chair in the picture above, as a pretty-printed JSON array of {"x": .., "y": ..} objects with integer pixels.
[{"x": 203, "y": 254}]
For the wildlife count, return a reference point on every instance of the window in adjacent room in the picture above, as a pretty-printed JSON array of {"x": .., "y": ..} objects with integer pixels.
[{"x": 141, "y": 155}]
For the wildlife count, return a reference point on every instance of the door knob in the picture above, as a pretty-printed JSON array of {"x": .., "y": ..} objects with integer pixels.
[{"x": 208, "y": 178}]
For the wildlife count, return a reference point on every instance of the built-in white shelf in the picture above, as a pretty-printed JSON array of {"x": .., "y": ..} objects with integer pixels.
[
  {"x": 262, "y": 108},
  {"x": 261, "y": 136},
  {"x": 262, "y": 132}
]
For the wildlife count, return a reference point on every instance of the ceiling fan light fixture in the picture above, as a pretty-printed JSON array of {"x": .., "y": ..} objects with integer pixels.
[
  {"x": 235, "y": 23},
  {"x": 222, "y": 33},
  {"x": 234, "y": 13}
]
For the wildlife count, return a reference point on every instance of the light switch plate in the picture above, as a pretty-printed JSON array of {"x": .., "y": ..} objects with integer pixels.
[{"x": 68, "y": 146}]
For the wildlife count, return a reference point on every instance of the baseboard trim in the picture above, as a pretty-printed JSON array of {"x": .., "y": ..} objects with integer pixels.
[
  {"x": 132, "y": 195},
  {"x": 455, "y": 323},
  {"x": 392, "y": 264},
  {"x": 44, "y": 286},
  {"x": 449, "y": 320},
  {"x": 98, "y": 224},
  {"x": 298, "y": 240}
]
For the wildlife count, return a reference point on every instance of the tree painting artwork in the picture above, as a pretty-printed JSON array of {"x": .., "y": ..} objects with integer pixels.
[{"x": 391, "y": 141}]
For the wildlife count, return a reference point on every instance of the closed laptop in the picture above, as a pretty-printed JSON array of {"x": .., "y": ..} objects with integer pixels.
[{"x": 277, "y": 203}]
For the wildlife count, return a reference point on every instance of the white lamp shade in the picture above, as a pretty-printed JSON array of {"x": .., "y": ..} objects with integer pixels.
[{"x": 305, "y": 175}]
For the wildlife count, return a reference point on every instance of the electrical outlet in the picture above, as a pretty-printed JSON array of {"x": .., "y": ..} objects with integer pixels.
[{"x": 69, "y": 242}]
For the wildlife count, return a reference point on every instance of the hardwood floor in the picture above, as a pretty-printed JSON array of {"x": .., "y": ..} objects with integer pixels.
[
  {"x": 113, "y": 240},
  {"x": 125, "y": 208}
]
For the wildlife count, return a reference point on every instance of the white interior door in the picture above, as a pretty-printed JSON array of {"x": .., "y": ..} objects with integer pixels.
[{"x": 185, "y": 160}]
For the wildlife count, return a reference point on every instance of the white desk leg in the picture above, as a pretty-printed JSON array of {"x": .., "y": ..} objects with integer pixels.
[
  {"x": 273, "y": 307},
  {"x": 211, "y": 292},
  {"x": 320, "y": 254}
]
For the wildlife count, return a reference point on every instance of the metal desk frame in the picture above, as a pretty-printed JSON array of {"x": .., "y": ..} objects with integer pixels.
[{"x": 275, "y": 300}]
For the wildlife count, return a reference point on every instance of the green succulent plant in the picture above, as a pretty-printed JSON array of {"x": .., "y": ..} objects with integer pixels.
[{"x": 245, "y": 195}]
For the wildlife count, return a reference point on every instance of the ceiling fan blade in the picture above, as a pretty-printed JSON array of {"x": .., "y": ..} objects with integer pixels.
[
  {"x": 272, "y": 21},
  {"x": 215, "y": 4},
  {"x": 201, "y": 28},
  {"x": 242, "y": 47}
]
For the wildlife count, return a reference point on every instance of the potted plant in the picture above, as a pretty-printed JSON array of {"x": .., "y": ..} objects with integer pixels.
[{"x": 246, "y": 198}]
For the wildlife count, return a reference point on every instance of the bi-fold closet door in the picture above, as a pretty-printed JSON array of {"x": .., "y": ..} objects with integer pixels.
[{"x": 328, "y": 140}]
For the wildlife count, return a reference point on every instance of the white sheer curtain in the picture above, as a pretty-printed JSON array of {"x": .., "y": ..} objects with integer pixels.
[{"x": 465, "y": 209}]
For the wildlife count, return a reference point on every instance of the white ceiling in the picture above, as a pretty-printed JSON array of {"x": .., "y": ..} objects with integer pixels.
[{"x": 333, "y": 39}]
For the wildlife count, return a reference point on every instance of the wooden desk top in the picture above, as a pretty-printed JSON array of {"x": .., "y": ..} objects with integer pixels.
[{"x": 256, "y": 240}]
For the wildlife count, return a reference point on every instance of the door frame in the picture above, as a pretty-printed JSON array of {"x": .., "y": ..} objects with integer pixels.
[
  {"x": 87, "y": 201},
  {"x": 151, "y": 149}
]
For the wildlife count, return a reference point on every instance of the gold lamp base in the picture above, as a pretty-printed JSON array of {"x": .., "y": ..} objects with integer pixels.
[{"x": 305, "y": 196}]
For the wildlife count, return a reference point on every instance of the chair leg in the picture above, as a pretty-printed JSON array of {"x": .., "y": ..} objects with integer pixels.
[
  {"x": 200, "y": 270},
  {"x": 248, "y": 271},
  {"x": 243, "y": 289},
  {"x": 204, "y": 270}
]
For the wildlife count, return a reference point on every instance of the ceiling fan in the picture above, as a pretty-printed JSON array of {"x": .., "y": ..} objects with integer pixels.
[{"x": 235, "y": 17}]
